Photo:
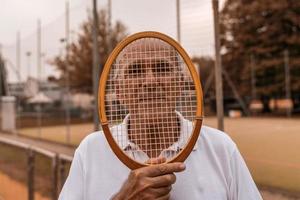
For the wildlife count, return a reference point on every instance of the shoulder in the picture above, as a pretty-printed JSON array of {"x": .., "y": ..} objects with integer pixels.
[
  {"x": 216, "y": 140},
  {"x": 216, "y": 135},
  {"x": 96, "y": 142},
  {"x": 93, "y": 143},
  {"x": 94, "y": 138}
]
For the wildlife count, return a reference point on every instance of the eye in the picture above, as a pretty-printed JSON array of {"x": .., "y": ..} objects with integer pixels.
[
  {"x": 161, "y": 66},
  {"x": 135, "y": 69}
]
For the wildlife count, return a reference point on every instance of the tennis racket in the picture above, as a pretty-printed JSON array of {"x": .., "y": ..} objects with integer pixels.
[{"x": 150, "y": 100}]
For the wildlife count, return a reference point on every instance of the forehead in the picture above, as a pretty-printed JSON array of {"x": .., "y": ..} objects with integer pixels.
[{"x": 147, "y": 49}]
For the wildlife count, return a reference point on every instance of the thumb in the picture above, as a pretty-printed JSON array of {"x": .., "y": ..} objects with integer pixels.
[{"x": 155, "y": 161}]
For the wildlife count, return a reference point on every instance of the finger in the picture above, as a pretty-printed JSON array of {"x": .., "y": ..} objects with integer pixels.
[
  {"x": 162, "y": 181},
  {"x": 155, "y": 161},
  {"x": 166, "y": 197},
  {"x": 162, "y": 191},
  {"x": 161, "y": 169}
]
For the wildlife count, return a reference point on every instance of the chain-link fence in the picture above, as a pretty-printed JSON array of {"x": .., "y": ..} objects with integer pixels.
[
  {"x": 44, "y": 105},
  {"x": 48, "y": 93}
]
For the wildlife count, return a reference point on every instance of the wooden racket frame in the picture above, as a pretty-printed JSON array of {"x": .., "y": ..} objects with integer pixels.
[{"x": 132, "y": 164}]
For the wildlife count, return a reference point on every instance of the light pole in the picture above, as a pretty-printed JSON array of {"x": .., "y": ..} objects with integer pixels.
[
  {"x": 28, "y": 54},
  {"x": 178, "y": 20},
  {"x": 67, "y": 32},
  {"x": 18, "y": 51},
  {"x": 39, "y": 56},
  {"x": 96, "y": 63},
  {"x": 218, "y": 67},
  {"x": 287, "y": 84},
  {"x": 109, "y": 26},
  {"x": 67, "y": 92},
  {"x": 43, "y": 55}
]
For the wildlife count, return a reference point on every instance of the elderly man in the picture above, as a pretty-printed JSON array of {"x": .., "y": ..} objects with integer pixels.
[
  {"x": 149, "y": 86},
  {"x": 146, "y": 84}
]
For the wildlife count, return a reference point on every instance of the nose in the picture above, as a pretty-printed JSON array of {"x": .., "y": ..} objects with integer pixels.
[{"x": 151, "y": 82}]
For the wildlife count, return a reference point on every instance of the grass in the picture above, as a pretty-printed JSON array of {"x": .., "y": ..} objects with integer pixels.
[
  {"x": 270, "y": 146},
  {"x": 59, "y": 133}
]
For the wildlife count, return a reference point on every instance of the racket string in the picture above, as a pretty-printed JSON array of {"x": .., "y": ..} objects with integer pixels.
[{"x": 150, "y": 83}]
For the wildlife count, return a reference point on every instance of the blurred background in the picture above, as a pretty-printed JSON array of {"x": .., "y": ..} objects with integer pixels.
[{"x": 52, "y": 52}]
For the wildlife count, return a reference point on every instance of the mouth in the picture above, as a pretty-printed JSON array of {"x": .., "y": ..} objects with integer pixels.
[{"x": 152, "y": 99}]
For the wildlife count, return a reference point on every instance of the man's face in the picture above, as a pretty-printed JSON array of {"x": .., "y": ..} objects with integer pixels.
[{"x": 146, "y": 84}]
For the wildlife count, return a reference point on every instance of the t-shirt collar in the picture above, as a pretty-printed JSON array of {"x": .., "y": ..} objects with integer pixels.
[{"x": 185, "y": 124}]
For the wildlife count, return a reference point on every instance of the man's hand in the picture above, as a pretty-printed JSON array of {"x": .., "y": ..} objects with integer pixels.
[{"x": 151, "y": 182}]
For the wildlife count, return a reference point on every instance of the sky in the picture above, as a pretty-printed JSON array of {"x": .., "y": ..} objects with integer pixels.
[{"x": 138, "y": 15}]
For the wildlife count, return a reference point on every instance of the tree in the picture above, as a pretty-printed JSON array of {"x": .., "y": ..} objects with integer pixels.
[
  {"x": 263, "y": 29},
  {"x": 78, "y": 59}
]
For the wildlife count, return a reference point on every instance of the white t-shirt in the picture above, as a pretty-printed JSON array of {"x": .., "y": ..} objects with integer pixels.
[
  {"x": 215, "y": 170},
  {"x": 120, "y": 133}
]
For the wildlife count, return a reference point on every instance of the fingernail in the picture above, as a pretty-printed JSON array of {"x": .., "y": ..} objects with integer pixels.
[{"x": 182, "y": 166}]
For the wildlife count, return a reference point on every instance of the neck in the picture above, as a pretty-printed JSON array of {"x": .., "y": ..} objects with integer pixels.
[{"x": 154, "y": 135}]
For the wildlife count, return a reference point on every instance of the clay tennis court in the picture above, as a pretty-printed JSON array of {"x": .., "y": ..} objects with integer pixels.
[{"x": 270, "y": 146}]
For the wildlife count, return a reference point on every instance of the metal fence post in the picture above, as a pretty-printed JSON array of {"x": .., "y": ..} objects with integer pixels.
[
  {"x": 30, "y": 173},
  {"x": 54, "y": 177},
  {"x": 62, "y": 172}
]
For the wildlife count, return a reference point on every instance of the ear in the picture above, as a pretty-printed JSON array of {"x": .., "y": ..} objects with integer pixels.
[
  {"x": 119, "y": 94},
  {"x": 179, "y": 79}
]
